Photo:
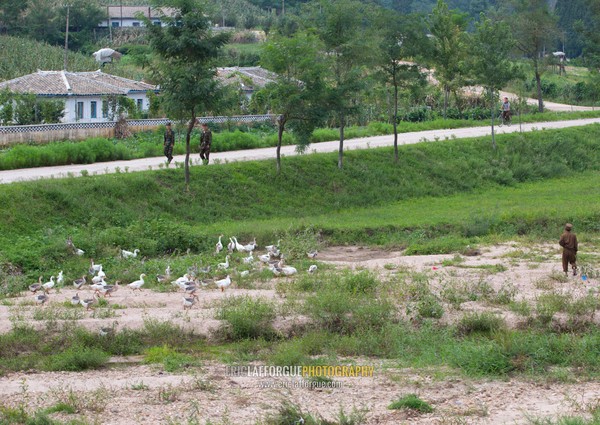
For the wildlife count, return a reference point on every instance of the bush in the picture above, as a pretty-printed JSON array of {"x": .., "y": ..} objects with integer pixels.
[
  {"x": 76, "y": 359},
  {"x": 247, "y": 318},
  {"x": 480, "y": 323},
  {"x": 412, "y": 402}
]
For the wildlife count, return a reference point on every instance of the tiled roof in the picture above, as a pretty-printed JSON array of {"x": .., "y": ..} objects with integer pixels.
[
  {"x": 259, "y": 76},
  {"x": 62, "y": 83},
  {"x": 118, "y": 12}
]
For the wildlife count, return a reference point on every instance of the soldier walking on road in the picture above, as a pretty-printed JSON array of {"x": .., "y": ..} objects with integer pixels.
[
  {"x": 205, "y": 142},
  {"x": 169, "y": 142},
  {"x": 568, "y": 241}
]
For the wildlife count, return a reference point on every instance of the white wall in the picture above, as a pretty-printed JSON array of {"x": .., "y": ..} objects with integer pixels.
[{"x": 71, "y": 107}]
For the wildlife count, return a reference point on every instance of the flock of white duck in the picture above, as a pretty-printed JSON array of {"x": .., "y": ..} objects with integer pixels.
[{"x": 190, "y": 282}]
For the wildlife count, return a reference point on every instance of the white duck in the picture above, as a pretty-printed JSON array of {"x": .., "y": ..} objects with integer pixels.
[
  {"x": 95, "y": 267},
  {"x": 138, "y": 283},
  {"x": 312, "y": 268},
  {"x": 244, "y": 273},
  {"x": 183, "y": 279},
  {"x": 219, "y": 245},
  {"x": 79, "y": 252},
  {"x": 97, "y": 286},
  {"x": 223, "y": 283},
  {"x": 251, "y": 246},
  {"x": 225, "y": 265},
  {"x": 238, "y": 246},
  {"x": 230, "y": 245},
  {"x": 75, "y": 299},
  {"x": 61, "y": 278},
  {"x": 272, "y": 248},
  {"x": 312, "y": 254},
  {"x": 98, "y": 279},
  {"x": 249, "y": 259},
  {"x": 265, "y": 258},
  {"x": 48, "y": 285},
  {"x": 129, "y": 254}
]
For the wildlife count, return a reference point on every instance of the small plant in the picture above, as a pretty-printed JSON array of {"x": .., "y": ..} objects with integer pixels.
[
  {"x": 247, "y": 318},
  {"x": 140, "y": 386},
  {"x": 430, "y": 307},
  {"x": 76, "y": 359},
  {"x": 480, "y": 323},
  {"x": 412, "y": 402}
]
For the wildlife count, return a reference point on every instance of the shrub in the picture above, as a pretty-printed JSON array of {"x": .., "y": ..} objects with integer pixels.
[
  {"x": 481, "y": 323},
  {"x": 76, "y": 359},
  {"x": 247, "y": 318},
  {"x": 412, "y": 402}
]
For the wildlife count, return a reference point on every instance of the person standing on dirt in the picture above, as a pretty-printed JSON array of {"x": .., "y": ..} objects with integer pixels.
[
  {"x": 169, "y": 143},
  {"x": 205, "y": 142},
  {"x": 568, "y": 241},
  {"x": 506, "y": 110}
]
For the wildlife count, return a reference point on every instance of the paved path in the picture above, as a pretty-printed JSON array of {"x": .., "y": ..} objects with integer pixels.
[{"x": 269, "y": 153}]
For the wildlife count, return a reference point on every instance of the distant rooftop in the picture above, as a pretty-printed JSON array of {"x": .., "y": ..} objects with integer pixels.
[
  {"x": 130, "y": 12},
  {"x": 63, "y": 83},
  {"x": 250, "y": 78}
]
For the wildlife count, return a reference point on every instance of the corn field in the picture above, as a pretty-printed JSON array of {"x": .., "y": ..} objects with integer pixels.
[{"x": 23, "y": 56}]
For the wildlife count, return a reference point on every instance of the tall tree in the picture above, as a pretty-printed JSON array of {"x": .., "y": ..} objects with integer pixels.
[
  {"x": 403, "y": 37},
  {"x": 447, "y": 36},
  {"x": 349, "y": 45},
  {"x": 534, "y": 28},
  {"x": 492, "y": 71},
  {"x": 591, "y": 36},
  {"x": 186, "y": 49},
  {"x": 296, "y": 95}
]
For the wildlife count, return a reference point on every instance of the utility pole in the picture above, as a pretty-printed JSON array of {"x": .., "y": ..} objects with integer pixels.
[{"x": 66, "y": 39}]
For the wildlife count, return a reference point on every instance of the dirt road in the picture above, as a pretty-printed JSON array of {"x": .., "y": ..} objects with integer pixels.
[{"x": 145, "y": 164}]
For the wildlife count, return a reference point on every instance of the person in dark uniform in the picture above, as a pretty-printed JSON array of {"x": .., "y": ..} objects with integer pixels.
[
  {"x": 205, "y": 142},
  {"x": 568, "y": 241},
  {"x": 169, "y": 142}
]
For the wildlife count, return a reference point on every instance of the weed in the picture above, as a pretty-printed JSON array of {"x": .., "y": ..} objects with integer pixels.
[
  {"x": 171, "y": 360},
  {"x": 140, "y": 386},
  {"x": 246, "y": 318},
  {"x": 412, "y": 402},
  {"x": 77, "y": 359},
  {"x": 480, "y": 323}
]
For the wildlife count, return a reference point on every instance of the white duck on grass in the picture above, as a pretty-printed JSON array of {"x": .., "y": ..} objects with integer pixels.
[
  {"x": 238, "y": 246},
  {"x": 312, "y": 269},
  {"x": 94, "y": 268},
  {"x": 164, "y": 278},
  {"x": 129, "y": 254},
  {"x": 60, "y": 279},
  {"x": 225, "y": 265},
  {"x": 219, "y": 245},
  {"x": 138, "y": 283}
]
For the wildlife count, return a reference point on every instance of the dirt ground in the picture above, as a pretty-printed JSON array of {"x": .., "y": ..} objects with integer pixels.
[{"x": 128, "y": 392}]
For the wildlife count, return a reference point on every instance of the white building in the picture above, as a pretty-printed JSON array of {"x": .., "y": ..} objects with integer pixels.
[
  {"x": 128, "y": 16},
  {"x": 83, "y": 92}
]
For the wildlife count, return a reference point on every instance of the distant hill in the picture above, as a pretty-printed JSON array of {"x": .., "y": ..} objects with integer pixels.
[{"x": 23, "y": 56}]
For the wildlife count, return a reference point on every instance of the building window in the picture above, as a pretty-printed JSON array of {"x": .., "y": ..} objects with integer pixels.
[
  {"x": 115, "y": 24},
  {"x": 93, "y": 110},
  {"x": 157, "y": 23},
  {"x": 136, "y": 24},
  {"x": 104, "y": 109},
  {"x": 79, "y": 111},
  {"x": 140, "y": 104}
]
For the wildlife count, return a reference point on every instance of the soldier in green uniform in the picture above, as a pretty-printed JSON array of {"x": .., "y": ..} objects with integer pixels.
[
  {"x": 205, "y": 142},
  {"x": 169, "y": 142},
  {"x": 568, "y": 241}
]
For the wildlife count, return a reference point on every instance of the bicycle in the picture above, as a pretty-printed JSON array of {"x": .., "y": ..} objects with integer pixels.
[{"x": 502, "y": 120}]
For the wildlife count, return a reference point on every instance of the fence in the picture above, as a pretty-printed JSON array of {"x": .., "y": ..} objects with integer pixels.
[{"x": 44, "y": 133}]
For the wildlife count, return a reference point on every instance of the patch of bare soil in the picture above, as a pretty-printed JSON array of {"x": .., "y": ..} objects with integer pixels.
[{"x": 128, "y": 392}]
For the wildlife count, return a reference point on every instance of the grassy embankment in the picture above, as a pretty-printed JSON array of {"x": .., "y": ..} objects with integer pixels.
[{"x": 150, "y": 144}]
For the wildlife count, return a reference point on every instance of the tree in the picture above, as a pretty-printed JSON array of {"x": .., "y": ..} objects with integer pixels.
[
  {"x": 349, "y": 45},
  {"x": 402, "y": 38},
  {"x": 186, "y": 49},
  {"x": 492, "y": 71},
  {"x": 296, "y": 95},
  {"x": 591, "y": 37},
  {"x": 534, "y": 28},
  {"x": 447, "y": 49}
]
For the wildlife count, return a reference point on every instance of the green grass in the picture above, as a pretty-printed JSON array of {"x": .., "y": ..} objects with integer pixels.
[{"x": 412, "y": 402}]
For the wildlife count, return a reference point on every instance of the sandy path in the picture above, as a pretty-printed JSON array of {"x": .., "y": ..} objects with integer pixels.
[{"x": 144, "y": 164}]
